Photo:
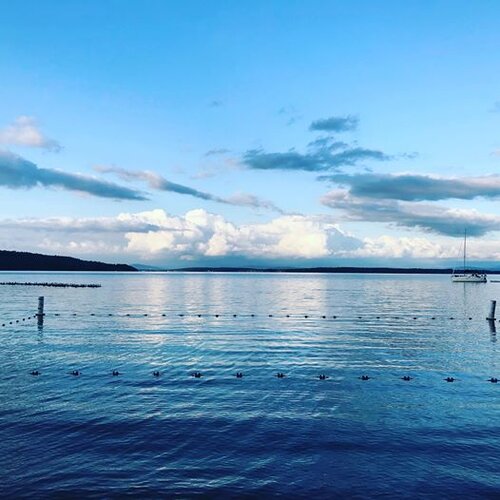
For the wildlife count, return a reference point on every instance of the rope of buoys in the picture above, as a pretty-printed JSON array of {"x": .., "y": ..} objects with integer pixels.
[{"x": 281, "y": 375}]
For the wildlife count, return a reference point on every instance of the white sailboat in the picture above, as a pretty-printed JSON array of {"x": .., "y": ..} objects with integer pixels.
[{"x": 466, "y": 276}]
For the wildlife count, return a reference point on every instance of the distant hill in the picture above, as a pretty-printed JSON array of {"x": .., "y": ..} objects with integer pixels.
[{"x": 25, "y": 261}]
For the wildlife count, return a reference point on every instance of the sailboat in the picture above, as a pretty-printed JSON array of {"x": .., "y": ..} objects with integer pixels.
[{"x": 466, "y": 276}]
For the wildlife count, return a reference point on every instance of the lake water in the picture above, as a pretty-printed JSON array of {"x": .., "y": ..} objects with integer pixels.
[{"x": 98, "y": 435}]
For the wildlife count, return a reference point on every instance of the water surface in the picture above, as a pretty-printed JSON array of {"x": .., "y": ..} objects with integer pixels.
[{"x": 100, "y": 435}]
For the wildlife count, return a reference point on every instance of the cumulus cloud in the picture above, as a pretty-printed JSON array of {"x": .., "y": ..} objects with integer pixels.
[
  {"x": 415, "y": 187},
  {"x": 335, "y": 124},
  {"x": 156, "y": 181},
  {"x": 196, "y": 234},
  {"x": 25, "y": 132},
  {"x": 17, "y": 172},
  {"x": 428, "y": 217}
]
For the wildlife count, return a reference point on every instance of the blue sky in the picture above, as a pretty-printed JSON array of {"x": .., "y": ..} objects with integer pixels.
[{"x": 177, "y": 133}]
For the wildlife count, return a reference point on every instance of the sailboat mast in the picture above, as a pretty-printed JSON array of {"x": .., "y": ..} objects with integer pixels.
[{"x": 465, "y": 245}]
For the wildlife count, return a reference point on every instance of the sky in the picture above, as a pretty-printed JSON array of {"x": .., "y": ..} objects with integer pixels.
[{"x": 283, "y": 133}]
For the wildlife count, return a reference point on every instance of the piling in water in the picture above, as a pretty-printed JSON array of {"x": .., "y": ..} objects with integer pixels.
[
  {"x": 491, "y": 314},
  {"x": 40, "y": 313}
]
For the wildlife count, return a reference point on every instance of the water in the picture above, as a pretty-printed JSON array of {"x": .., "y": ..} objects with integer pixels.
[{"x": 96, "y": 435}]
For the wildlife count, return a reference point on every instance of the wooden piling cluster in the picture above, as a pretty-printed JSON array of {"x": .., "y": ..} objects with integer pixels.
[{"x": 50, "y": 284}]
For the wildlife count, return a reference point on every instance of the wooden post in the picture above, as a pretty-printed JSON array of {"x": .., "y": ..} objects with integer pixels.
[
  {"x": 40, "y": 314},
  {"x": 491, "y": 315}
]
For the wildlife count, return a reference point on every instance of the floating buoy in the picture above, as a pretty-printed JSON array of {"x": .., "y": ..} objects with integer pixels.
[
  {"x": 470, "y": 318},
  {"x": 406, "y": 378},
  {"x": 287, "y": 315},
  {"x": 452, "y": 317},
  {"x": 156, "y": 373},
  {"x": 378, "y": 317},
  {"x": 252, "y": 315},
  {"x": 199, "y": 315},
  {"x": 280, "y": 375},
  {"x": 323, "y": 377},
  {"x": 493, "y": 380},
  {"x": 145, "y": 314},
  {"x": 306, "y": 316},
  {"x": 76, "y": 373},
  {"x": 414, "y": 317},
  {"x": 196, "y": 374},
  {"x": 450, "y": 379},
  {"x": 35, "y": 373},
  {"x": 216, "y": 315},
  {"x": 270, "y": 315},
  {"x": 323, "y": 317},
  {"x": 334, "y": 317},
  {"x": 364, "y": 377},
  {"x": 234, "y": 315},
  {"x": 115, "y": 373},
  {"x": 239, "y": 375},
  {"x": 127, "y": 314}
]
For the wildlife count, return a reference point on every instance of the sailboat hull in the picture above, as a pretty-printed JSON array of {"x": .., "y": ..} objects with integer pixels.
[{"x": 468, "y": 278}]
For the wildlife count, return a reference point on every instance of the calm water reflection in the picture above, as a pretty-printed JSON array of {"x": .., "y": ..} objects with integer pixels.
[{"x": 96, "y": 434}]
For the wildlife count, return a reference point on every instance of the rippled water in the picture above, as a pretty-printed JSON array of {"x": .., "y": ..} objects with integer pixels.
[{"x": 113, "y": 436}]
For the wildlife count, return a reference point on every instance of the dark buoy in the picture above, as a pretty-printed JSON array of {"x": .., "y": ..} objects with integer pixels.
[
  {"x": 92, "y": 314},
  {"x": 270, "y": 315},
  {"x": 323, "y": 376},
  {"x": 334, "y": 317},
  {"x": 470, "y": 318},
  {"x": 216, "y": 315},
  {"x": 324, "y": 317},
  {"x": 75, "y": 373},
  {"x": 406, "y": 378},
  {"x": 115, "y": 373},
  {"x": 450, "y": 379},
  {"x": 378, "y": 317},
  {"x": 196, "y": 374},
  {"x": 234, "y": 315},
  {"x": 364, "y": 377},
  {"x": 493, "y": 380},
  {"x": 433, "y": 317},
  {"x": 199, "y": 315},
  {"x": 181, "y": 315},
  {"x": 287, "y": 315},
  {"x": 280, "y": 375},
  {"x": 306, "y": 316},
  {"x": 252, "y": 315},
  {"x": 239, "y": 375},
  {"x": 35, "y": 373},
  {"x": 156, "y": 373}
]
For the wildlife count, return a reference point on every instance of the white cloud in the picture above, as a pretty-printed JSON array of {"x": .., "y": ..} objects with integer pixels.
[
  {"x": 199, "y": 235},
  {"x": 25, "y": 132}
]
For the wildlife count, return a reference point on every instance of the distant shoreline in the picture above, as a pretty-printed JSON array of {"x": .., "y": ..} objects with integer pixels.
[{"x": 318, "y": 270}]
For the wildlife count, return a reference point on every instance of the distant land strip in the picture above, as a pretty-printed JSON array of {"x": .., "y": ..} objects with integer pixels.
[
  {"x": 56, "y": 285},
  {"x": 366, "y": 270},
  {"x": 26, "y": 261}
]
